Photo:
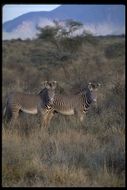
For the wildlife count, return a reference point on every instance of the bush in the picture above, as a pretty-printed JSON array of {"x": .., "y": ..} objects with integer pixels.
[{"x": 115, "y": 50}]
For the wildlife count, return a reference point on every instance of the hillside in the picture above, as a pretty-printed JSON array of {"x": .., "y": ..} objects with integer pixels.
[{"x": 69, "y": 153}]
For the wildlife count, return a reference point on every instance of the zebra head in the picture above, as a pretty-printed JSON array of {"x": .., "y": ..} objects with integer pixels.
[
  {"x": 51, "y": 86},
  {"x": 91, "y": 94},
  {"x": 47, "y": 94}
]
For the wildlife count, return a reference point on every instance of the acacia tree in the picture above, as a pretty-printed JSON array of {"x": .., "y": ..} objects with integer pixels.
[
  {"x": 59, "y": 34},
  {"x": 73, "y": 26},
  {"x": 48, "y": 33},
  {"x": 63, "y": 37}
]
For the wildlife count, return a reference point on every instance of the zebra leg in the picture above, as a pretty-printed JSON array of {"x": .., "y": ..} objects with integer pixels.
[
  {"x": 81, "y": 117},
  {"x": 78, "y": 115},
  {"x": 15, "y": 114},
  {"x": 47, "y": 117},
  {"x": 43, "y": 117},
  {"x": 40, "y": 113}
]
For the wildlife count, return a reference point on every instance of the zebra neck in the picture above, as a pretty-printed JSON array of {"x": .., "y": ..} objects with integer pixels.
[{"x": 88, "y": 100}]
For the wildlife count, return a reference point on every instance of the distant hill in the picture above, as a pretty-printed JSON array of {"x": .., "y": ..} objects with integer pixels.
[{"x": 99, "y": 19}]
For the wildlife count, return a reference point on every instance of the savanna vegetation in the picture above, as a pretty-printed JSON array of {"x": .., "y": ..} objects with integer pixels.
[{"x": 68, "y": 153}]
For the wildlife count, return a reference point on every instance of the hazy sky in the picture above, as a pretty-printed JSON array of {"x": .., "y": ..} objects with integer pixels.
[{"x": 11, "y": 11}]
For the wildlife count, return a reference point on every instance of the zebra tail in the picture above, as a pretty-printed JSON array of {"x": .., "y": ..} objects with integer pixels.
[{"x": 5, "y": 111}]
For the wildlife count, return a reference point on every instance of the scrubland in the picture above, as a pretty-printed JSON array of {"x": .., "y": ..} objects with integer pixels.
[{"x": 68, "y": 153}]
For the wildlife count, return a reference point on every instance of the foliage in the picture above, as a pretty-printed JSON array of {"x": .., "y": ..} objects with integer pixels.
[
  {"x": 115, "y": 50},
  {"x": 68, "y": 153}
]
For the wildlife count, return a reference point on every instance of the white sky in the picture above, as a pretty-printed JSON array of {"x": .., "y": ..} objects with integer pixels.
[{"x": 11, "y": 11}]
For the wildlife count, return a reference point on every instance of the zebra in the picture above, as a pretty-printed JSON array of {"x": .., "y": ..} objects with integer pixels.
[
  {"x": 30, "y": 103},
  {"x": 74, "y": 104}
]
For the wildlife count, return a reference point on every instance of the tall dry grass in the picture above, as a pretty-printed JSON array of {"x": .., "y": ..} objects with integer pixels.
[
  {"x": 68, "y": 157},
  {"x": 68, "y": 153}
]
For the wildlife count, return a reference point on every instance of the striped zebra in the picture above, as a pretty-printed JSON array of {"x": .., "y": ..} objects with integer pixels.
[
  {"x": 77, "y": 104},
  {"x": 30, "y": 103}
]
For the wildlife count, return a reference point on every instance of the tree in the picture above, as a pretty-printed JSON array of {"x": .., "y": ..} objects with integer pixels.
[
  {"x": 48, "y": 33},
  {"x": 63, "y": 37},
  {"x": 73, "y": 26}
]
